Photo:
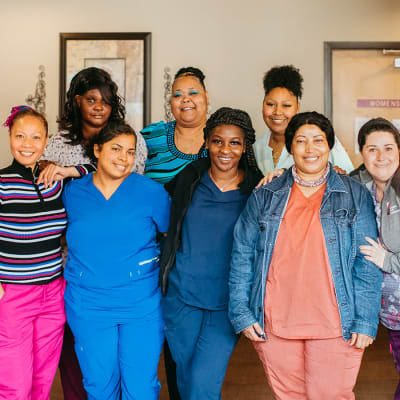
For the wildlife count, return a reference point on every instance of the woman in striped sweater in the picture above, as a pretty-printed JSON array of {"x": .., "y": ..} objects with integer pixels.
[{"x": 32, "y": 220}]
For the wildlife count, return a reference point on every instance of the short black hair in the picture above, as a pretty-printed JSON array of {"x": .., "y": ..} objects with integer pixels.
[
  {"x": 374, "y": 125},
  {"x": 191, "y": 71},
  {"x": 241, "y": 119},
  {"x": 109, "y": 132},
  {"x": 85, "y": 80},
  {"x": 309, "y": 118},
  {"x": 285, "y": 76}
]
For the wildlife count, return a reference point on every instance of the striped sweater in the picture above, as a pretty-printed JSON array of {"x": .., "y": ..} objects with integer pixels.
[{"x": 32, "y": 220}]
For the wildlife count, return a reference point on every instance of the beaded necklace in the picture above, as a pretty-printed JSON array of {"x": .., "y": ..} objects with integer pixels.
[{"x": 320, "y": 180}]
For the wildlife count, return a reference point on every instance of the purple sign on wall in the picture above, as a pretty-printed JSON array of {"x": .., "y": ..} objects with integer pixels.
[{"x": 378, "y": 103}]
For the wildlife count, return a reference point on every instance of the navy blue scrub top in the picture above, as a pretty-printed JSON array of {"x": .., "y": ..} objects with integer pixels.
[{"x": 201, "y": 272}]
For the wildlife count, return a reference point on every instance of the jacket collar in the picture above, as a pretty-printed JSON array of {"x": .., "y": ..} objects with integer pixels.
[
  {"x": 284, "y": 183},
  {"x": 393, "y": 182},
  {"x": 200, "y": 165},
  {"x": 365, "y": 176},
  {"x": 25, "y": 172}
]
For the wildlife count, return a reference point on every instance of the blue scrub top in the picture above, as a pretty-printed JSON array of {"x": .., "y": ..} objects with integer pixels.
[
  {"x": 112, "y": 243},
  {"x": 200, "y": 276}
]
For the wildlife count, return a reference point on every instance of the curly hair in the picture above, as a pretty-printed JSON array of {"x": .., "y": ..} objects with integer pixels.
[
  {"x": 309, "y": 118},
  {"x": 109, "y": 132},
  {"x": 191, "y": 71},
  {"x": 83, "y": 81},
  {"x": 374, "y": 125},
  {"x": 239, "y": 118},
  {"x": 285, "y": 76}
]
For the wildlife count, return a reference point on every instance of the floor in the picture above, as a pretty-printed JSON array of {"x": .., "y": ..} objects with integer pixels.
[{"x": 245, "y": 378}]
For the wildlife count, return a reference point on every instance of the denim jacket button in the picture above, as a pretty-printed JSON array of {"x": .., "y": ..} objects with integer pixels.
[
  {"x": 262, "y": 228},
  {"x": 343, "y": 304},
  {"x": 260, "y": 309},
  {"x": 336, "y": 272}
]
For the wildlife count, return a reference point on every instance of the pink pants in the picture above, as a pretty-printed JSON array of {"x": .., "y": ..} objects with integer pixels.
[
  {"x": 310, "y": 369},
  {"x": 32, "y": 321}
]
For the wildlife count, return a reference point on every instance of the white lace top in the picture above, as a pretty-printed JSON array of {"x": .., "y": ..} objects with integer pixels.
[{"x": 62, "y": 153}]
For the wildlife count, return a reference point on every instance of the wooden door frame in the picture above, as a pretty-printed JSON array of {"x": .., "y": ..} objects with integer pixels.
[{"x": 328, "y": 49}]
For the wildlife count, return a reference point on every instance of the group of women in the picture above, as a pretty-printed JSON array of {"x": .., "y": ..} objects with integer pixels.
[{"x": 191, "y": 252}]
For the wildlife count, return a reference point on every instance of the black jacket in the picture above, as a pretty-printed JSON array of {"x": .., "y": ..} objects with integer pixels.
[{"x": 181, "y": 189}]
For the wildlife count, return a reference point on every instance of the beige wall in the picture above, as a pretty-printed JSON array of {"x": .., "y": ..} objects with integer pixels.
[{"x": 233, "y": 41}]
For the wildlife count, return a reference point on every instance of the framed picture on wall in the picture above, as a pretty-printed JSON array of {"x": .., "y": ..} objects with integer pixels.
[{"x": 126, "y": 56}]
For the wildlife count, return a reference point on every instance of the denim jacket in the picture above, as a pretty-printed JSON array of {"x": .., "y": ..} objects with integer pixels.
[{"x": 347, "y": 216}]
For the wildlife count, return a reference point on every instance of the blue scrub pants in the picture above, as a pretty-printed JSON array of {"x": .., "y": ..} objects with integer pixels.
[
  {"x": 119, "y": 360},
  {"x": 201, "y": 343}
]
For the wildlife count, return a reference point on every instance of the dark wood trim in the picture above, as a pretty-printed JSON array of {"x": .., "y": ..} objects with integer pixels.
[
  {"x": 145, "y": 36},
  {"x": 328, "y": 49}
]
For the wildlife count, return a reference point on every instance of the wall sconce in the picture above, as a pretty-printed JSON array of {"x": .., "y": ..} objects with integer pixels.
[
  {"x": 167, "y": 95},
  {"x": 38, "y": 100}
]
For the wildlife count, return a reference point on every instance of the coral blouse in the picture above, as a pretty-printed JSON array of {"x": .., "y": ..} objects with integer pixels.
[{"x": 300, "y": 299}]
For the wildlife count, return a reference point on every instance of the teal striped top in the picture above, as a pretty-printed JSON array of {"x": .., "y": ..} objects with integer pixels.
[{"x": 164, "y": 160}]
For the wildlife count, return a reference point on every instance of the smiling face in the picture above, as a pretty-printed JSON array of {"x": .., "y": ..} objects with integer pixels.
[
  {"x": 380, "y": 154},
  {"x": 115, "y": 158},
  {"x": 28, "y": 139},
  {"x": 310, "y": 152},
  {"x": 94, "y": 111},
  {"x": 225, "y": 147},
  {"x": 279, "y": 106},
  {"x": 189, "y": 102}
]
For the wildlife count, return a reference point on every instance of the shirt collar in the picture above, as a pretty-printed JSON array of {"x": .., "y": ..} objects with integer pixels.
[{"x": 27, "y": 173}]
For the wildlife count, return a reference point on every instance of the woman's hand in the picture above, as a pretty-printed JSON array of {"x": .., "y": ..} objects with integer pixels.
[
  {"x": 1, "y": 291},
  {"x": 254, "y": 333},
  {"x": 271, "y": 175},
  {"x": 339, "y": 170},
  {"x": 360, "y": 341},
  {"x": 44, "y": 163},
  {"x": 374, "y": 253},
  {"x": 54, "y": 172}
]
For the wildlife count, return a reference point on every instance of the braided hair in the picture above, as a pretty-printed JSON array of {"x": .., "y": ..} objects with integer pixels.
[
  {"x": 285, "y": 76},
  {"x": 248, "y": 163},
  {"x": 191, "y": 71},
  {"x": 82, "y": 82}
]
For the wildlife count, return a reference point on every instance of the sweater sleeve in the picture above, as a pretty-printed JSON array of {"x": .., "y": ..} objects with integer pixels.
[{"x": 391, "y": 264}]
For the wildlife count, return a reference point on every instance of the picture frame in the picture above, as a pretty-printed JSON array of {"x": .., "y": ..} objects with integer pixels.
[{"x": 125, "y": 55}]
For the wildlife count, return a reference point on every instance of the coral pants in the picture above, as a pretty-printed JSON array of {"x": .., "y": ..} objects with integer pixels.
[
  {"x": 310, "y": 369},
  {"x": 32, "y": 321}
]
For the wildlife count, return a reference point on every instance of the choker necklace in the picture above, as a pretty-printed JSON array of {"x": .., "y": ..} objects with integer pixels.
[
  {"x": 222, "y": 188},
  {"x": 298, "y": 180}
]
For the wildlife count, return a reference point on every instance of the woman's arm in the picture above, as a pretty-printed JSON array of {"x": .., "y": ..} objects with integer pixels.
[
  {"x": 270, "y": 175},
  {"x": 382, "y": 258},
  {"x": 367, "y": 278},
  {"x": 242, "y": 267},
  {"x": 53, "y": 172}
]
